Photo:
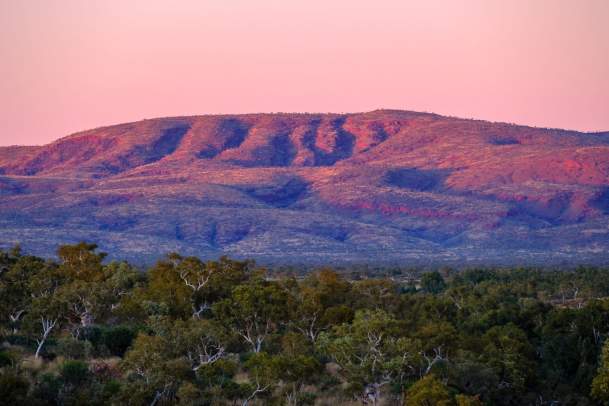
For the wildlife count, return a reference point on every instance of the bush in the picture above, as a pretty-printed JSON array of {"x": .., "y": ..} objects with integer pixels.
[
  {"x": 93, "y": 334},
  {"x": 118, "y": 340},
  {"x": 47, "y": 389},
  {"x": 111, "y": 389},
  {"x": 428, "y": 390},
  {"x": 432, "y": 282},
  {"x": 74, "y": 349},
  {"x": 16, "y": 339},
  {"x": 74, "y": 372},
  {"x": 13, "y": 389},
  {"x": 188, "y": 393},
  {"x": 5, "y": 359},
  {"x": 307, "y": 398}
]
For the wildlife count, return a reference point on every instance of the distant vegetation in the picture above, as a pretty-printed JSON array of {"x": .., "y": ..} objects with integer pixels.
[{"x": 78, "y": 331}]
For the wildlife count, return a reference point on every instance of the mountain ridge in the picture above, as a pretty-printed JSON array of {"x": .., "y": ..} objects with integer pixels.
[{"x": 382, "y": 110}]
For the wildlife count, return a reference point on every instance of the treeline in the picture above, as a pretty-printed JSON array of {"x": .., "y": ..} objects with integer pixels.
[{"x": 78, "y": 331}]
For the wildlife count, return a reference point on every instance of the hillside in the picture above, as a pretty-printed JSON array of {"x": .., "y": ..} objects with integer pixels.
[{"x": 384, "y": 186}]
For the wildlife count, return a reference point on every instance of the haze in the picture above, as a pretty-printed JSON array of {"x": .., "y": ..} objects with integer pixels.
[{"x": 71, "y": 65}]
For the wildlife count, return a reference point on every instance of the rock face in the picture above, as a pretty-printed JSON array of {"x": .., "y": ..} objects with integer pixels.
[{"x": 378, "y": 187}]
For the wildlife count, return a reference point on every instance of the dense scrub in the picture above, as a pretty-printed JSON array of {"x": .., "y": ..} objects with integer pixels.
[{"x": 80, "y": 331}]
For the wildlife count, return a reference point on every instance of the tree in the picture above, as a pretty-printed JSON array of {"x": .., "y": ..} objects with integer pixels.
[
  {"x": 90, "y": 290},
  {"x": 464, "y": 400},
  {"x": 189, "y": 286},
  {"x": 118, "y": 339},
  {"x": 43, "y": 320},
  {"x": 85, "y": 301},
  {"x": 333, "y": 289},
  {"x": 46, "y": 309},
  {"x": 202, "y": 342},
  {"x": 165, "y": 289},
  {"x": 310, "y": 314},
  {"x": 263, "y": 375},
  {"x": 195, "y": 275},
  {"x": 297, "y": 367},
  {"x": 156, "y": 373},
  {"x": 428, "y": 391},
  {"x": 508, "y": 352},
  {"x": 437, "y": 340},
  {"x": 254, "y": 311},
  {"x": 376, "y": 294},
  {"x": 15, "y": 292},
  {"x": 371, "y": 353},
  {"x": 432, "y": 282},
  {"x": 74, "y": 372},
  {"x": 13, "y": 388},
  {"x": 320, "y": 302},
  {"x": 600, "y": 383},
  {"x": 80, "y": 261}
]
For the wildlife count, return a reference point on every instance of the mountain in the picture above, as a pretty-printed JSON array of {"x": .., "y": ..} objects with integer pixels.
[{"x": 380, "y": 187}]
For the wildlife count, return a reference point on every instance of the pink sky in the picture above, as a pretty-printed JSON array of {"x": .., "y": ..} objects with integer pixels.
[{"x": 70, "y": 65}]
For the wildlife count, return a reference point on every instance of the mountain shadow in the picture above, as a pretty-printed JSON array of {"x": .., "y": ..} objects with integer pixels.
[
  {"x": 421, "y": 180},
  {"x": 281, "y": 195},
  {"x": 233, "y": 132}
]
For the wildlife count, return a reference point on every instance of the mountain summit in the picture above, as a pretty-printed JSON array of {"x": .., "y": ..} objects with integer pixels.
[{"x": 379, "y": 187}]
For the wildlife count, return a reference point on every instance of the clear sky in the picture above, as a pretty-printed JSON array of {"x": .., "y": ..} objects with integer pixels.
[{"x": 70, "y": 65}]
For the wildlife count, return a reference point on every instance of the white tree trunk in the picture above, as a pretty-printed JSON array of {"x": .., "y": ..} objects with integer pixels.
[
  {"x": 14, "y": 318},
  {"x": 47, "y": 327},
  {"x": 258, "y": 390}
]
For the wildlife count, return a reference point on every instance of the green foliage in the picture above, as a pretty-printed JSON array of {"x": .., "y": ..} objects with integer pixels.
[
  {"x": 6, "y": 359},
  {"x": 600, "y": 383},
  {"x": 432, "y": 282},
  {"x": 428, "y": 391},
  {"x": 70, "y": 347},
  {"x": 118, "y": 339},
  {"x": 13, "y": 388},
  {"x": 254, "y": 311},
  {"x": 464, "y": 400},
  {"x": 80, "y": 261},
  {"x": 74, "y": 372},
  {"x": 507, "y": 351},
  {"x": 191, "y": 332},
  {"x": 47, "y": 389}
]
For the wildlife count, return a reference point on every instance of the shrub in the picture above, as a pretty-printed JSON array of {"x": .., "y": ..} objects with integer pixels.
[
  {"x": 74, "y": 372},
  {"x": 118, "y": 340},
  {"x": 74, "y": 349},
  {"x": 5, "y": 359},
  {"x": 13, "y": 388},
  {"x": 93, "y": 334},
  {"x": 432, "y": 282},
  {"x": 429, "y": 390},
  {"x": 47, "y": 389}
]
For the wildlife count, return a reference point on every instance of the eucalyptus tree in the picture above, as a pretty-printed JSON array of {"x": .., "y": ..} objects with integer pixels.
[
  {"x": 600, "y": 383},
  {"x": 319, "y": 302},
  {"x": 254, "y": 311},
  {"x": 155, "y": 375},
  {"x": 15, "y": 290},
  {"x": 372, "y": 352},
  {"x": 263, "y": 376},
  {"x": 90, "y": 288},
  {"x": 46, "y": 308},
  {"x": 189, "y": 286}
]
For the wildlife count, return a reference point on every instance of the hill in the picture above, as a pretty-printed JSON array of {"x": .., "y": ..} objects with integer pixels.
[{"x": 379, "y": 187}]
